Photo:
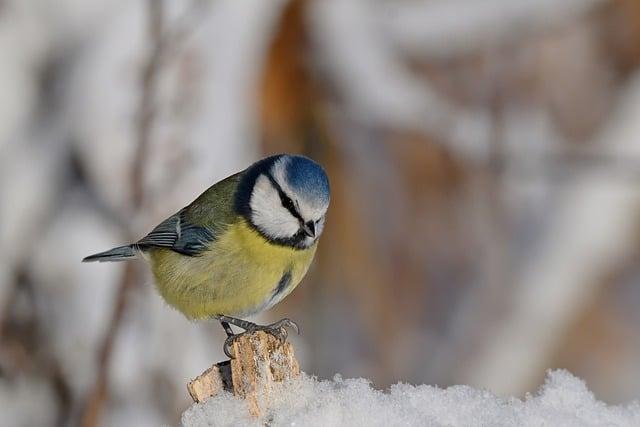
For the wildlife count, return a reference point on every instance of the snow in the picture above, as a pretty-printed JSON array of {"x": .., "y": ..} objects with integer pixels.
[{"x": 563, "y": 400}]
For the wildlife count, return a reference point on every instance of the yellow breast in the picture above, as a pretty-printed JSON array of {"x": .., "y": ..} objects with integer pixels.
[{"x": 237, "y": 276}]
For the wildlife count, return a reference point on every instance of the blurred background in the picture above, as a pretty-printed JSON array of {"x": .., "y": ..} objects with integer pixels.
[{"x": 484, "y": 159}]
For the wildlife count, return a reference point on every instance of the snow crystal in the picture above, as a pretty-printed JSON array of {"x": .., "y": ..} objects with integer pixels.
[{"x": 564, "y": 400}]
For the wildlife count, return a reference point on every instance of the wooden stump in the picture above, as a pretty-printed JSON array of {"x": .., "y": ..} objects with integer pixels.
[{"x": 260, "y": 360}]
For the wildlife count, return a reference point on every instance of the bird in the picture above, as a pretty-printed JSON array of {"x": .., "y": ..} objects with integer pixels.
[{"x": 240, "y": 247}]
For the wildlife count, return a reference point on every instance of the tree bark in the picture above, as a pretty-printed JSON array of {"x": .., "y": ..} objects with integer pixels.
[{"x": 260, "y": 360}]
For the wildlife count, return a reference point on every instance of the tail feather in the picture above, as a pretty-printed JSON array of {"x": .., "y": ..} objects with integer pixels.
[{"x": 116, "y": 254}]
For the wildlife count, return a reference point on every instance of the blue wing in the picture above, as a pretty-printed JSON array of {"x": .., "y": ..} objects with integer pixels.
[{"x": 177, "y": 234}]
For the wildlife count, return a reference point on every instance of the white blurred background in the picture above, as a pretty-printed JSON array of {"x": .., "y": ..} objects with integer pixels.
[{"x": 484, "y": 159}]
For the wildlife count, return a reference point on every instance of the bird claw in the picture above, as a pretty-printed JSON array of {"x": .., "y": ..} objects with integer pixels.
[
  {"x": 227, "y": 345},
  {"x": 277, "y": 330}
]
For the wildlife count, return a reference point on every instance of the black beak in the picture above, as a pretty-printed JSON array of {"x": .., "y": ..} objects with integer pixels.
[{"x": 309, "y": 229}]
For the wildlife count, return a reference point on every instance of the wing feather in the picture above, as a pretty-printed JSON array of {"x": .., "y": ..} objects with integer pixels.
[
  {"x": 191, "y": 231},
  {"x": 177, "y": 234}
]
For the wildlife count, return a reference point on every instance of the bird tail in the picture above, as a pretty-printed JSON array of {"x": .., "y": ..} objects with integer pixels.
[{"x": 116, "y": 254}]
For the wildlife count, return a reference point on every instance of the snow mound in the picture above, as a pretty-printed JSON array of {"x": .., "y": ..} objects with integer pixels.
[{"x": 563, "y": 400}]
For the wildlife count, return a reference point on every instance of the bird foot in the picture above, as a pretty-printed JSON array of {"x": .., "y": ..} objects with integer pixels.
[{"x": 277, "y": 330}]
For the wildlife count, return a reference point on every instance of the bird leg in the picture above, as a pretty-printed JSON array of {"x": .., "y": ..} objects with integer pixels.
[
  {"x": 227, "y": 328},
  {"x": 277, "y": 329}
]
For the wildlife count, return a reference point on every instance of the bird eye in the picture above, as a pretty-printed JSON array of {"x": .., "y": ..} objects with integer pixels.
[{"x": 287, "y": 203}]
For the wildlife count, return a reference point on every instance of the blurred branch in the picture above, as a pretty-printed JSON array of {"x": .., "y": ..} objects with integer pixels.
[
  {"x": 147, "y": 112},
  {"x": 446, "y": 28},
  {"x": 184, "y": 26},
  {"x": 561, "y": 162},
  {"x": 594, "y": 229},
  {"x": 147, "y": 105}
]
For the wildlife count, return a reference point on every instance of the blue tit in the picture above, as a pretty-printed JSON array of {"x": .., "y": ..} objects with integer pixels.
[{"x": 241, "y": 246}]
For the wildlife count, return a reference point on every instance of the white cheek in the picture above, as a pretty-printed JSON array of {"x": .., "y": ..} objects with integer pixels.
[{"x": 268, "y": 213}]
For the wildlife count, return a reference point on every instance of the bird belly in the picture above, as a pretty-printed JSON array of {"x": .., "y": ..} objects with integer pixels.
[{"x": 241, "y": 274}]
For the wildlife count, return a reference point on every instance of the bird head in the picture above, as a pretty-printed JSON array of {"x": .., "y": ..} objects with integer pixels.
[{"x": 285, "y": 198}]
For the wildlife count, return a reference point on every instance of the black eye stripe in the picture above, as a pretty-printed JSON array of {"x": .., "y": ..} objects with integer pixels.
[
  {"x": 288, "y": 204},
  {"x": 284, "y": 199}
]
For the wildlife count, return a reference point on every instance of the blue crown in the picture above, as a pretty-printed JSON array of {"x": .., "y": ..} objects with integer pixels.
[{"x": 307, "y": 177}]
